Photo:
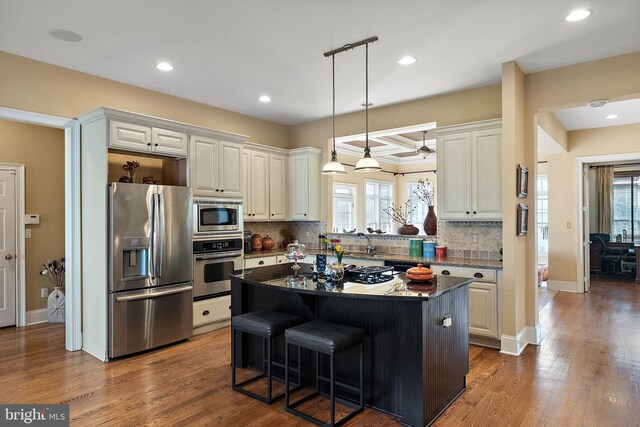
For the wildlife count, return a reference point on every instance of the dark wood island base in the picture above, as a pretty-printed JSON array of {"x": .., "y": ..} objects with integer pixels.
[{"x": 415, "y": 366}]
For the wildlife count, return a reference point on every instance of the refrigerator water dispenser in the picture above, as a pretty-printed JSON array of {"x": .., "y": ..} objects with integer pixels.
[{"x": 135, "y": 256}]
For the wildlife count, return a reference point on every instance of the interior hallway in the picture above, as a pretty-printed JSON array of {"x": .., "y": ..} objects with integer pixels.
[{"x": 585, "y": 372}]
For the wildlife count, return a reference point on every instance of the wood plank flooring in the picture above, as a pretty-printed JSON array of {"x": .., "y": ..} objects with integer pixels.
[{"x": 586, "y": 372}]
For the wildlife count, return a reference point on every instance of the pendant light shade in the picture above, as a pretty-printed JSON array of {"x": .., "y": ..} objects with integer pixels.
[
  {"x": 333, "y": 167},
  {"x": 367, "y": 163}
]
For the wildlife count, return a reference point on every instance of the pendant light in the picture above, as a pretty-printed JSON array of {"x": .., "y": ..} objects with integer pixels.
[
  {"x": 333, "y": 167},
  {"x": 424, "y": 151},
  {"x": 367, "y": 163}
]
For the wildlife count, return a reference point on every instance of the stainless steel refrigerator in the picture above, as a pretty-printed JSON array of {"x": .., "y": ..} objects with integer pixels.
[{"x": 151, "y": 266}]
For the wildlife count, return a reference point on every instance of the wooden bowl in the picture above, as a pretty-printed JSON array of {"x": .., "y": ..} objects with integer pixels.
[{"x": 419, "y": 274}]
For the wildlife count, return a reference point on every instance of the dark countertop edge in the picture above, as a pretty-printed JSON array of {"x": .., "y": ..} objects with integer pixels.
[
  {"x": 454, "y": 262},
  {"x": 412, "y": 298}
]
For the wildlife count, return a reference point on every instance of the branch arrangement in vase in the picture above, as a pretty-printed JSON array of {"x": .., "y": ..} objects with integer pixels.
[
  {"x": 54, "y": 271},
  {"x": 399, "y": 213},
  {"x": 424, "y": 191}
]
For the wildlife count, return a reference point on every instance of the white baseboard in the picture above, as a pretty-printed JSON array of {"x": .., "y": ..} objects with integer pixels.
[
  {"x": 513, "y": 346},
  {"x": 36, "y": 316},
  {"x": 559, "y": 285},
  {"x": 534, "y": 334}
]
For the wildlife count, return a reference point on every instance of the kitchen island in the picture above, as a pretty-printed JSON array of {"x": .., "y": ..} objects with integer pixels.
[{"x": 415, "y": 366}]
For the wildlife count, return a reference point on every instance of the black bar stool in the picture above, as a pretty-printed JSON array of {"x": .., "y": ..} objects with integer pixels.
[
  {"x": 265, "y": 324},
  {"x": 330, "y": 339}
]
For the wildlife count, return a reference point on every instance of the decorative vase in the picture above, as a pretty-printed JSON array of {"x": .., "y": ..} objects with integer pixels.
[
  {"x": 268, "y": 243},
  {"x": 55, "y": 306},
  {"x": 408, "y": 230},
  {"x": 431, "y": 222},
  {"x": 256, "y": 242}
]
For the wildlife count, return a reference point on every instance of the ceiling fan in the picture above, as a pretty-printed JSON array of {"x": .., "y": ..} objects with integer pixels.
[{"x": 424, "y": 151}]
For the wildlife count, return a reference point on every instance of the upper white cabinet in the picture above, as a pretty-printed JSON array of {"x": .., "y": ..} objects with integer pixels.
[
  {"x": 256, "y": 182},
  {"x": 147, "y": 139},
  {"x": 304, "y": 184},
  {"x": 216, "y": 167},
  {"x": 469, "y": 171},
  {"x": 277, "y": 187}
]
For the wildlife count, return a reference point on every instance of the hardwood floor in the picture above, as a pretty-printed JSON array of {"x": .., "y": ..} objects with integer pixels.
[{"x": 586, "y": 372}]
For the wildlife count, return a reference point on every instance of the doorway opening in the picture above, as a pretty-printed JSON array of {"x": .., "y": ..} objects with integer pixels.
[{"x": 69, "y": 198}]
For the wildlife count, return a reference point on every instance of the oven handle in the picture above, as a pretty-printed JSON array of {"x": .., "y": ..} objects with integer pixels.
[
  {"x": 218, "y": 256},
  {"x": 154, "y": 295}
]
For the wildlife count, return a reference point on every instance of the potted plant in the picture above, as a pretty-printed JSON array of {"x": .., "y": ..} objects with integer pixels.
[
  {"x": 424, "y": 192},
  {"x": 401, "y": 214}
]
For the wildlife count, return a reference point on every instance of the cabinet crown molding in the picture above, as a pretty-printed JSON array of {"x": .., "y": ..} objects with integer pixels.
[
  {"x": 472, "y": 126},
  {"x": 142, "y": 119}
]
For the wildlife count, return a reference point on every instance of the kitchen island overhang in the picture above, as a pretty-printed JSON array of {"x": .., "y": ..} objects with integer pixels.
[{"x": 415, "y": 365}]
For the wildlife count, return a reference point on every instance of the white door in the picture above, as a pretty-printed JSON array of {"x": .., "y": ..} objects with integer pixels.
[
  {"x": 169, "y": 142},
  {"x": 586, "y": 243},
  {"x": 486, "y": 170},
  {"x": 299, "y": 187},
  {"x": 259, "y": 186},
  {"x": 454, "y": 176},
  {"x": 204, "y": 166},
  {"x": 246, "y": 185},
  {"x": 7, "y": 247}
]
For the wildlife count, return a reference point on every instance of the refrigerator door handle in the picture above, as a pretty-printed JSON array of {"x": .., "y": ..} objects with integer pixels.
[
  {"x": 152, "y": 255},
  {"x": 161, "y": 233},
  {"x": 154, "y": 294}
]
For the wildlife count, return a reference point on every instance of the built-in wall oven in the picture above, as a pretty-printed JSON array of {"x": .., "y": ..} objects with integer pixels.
[
  {"x": 211, "y": 216},
  {"x": 214, "y": 259}
]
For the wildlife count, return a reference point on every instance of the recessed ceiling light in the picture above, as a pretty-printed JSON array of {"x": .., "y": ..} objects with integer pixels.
[
  {"x": 164, "y": 66},
  {"x": 264, "y": 98},
  {"x": 406, "y": 60},
  {"x": 577, "y": 15},
  {"x": 65, "y": 35},
  {"x": 612, "y": 116}
]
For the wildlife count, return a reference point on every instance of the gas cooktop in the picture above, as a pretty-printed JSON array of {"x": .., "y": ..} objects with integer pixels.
[{"x": 369, "y": 275}]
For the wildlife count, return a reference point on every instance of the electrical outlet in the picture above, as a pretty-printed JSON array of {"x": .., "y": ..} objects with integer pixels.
[
  {"x": 27, "y": 233},
  {"x": 568, "y": 224},
  {"x": 44, "y": 292},
  {"x": 474, "y": 238}
]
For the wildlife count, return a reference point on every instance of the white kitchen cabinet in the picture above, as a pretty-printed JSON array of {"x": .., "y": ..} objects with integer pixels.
[
  {"x": 216, "y": 167},
  {"x": 260, "y": 262},
  {"x": 277, "y": 187},
  {"x": 484, "y": 297},
  {"x": 211, "y": 310},
  {"x": 256, "y": 176},
  {"x": 304, "y": 184},
  {"x": 147, "y": 139},
  {"x": 469, "y": 172}
]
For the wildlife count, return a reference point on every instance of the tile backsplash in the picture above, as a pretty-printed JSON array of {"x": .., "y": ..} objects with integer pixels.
[
  {"x": 456, "y": 236},
  {"x": 305, "y": 231}
]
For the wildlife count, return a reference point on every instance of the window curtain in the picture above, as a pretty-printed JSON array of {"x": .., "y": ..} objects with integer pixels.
[{"x": 604, "y": 189}]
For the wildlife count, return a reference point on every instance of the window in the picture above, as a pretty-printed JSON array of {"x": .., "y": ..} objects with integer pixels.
[
  {"x": 542, "y": 214},
  {"x": 344, "y": 206},
  {"x": 378, "y": 196},
  {"x": 420, "y": 212},
  {"x": 626, "y": 205}
]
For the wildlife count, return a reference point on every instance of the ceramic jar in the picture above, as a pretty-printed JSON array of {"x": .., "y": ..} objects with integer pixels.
[
  {"x": 267, "y": 243},
  {"x": 256, "y": 242}
]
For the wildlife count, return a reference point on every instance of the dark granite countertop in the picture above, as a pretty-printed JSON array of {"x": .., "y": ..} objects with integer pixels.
[
  {"x": 400, "y": 287},
  {"x": 460, "y": 262}
]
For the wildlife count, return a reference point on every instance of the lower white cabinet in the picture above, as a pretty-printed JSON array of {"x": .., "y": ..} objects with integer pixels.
[
  {"x": 483, "y": 299},
  {"x": 211, "y": 310},
  {"x": 260, "y": 262}
]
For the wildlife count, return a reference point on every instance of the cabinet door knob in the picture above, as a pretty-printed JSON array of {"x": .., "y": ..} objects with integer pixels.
[
  {"x": 205, "y": 313},
  {"x": 148, "y": 144},
  {"x": 271, "y": 214},
  {"x": 305, "y": 214},
  {"x": 467, "y": 212},
  {"x": 445, "y": 272},
  {"x": 261, "y": 263},
  {"x": 222, "y": 191},
  {"x": 478, "y": 275},
  {"x": 156, "y": 144},
  {"x": 474, "y": 212},
  {"x": 217, "y": 190}
]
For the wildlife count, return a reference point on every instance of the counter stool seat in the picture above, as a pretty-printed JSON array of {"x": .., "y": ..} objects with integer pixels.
[
  {"x": 330, "y": 339},
  {"x": 265, "y": 324}
]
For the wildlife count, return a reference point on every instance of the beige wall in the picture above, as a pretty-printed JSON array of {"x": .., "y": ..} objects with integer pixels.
[
  {"x": 41, "y": 150},
  {"x": 550, "y": 123},
  {"x": 35, "y": 86},
  {"x": 460, "y": 107},
  {"x": 563, "y": 190}
]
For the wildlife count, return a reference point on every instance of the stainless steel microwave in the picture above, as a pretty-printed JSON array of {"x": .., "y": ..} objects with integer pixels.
[{"x": 215, "y": 216}]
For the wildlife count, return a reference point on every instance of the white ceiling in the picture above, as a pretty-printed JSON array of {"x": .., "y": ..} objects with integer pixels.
[
  {"x": 586, "y": 117},
  {"x": 227, "y": 53}
]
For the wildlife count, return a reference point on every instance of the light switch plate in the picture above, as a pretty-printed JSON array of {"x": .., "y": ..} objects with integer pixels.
[{"x": 27, "y": 233}]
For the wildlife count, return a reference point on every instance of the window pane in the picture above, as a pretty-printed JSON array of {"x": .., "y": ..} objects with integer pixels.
[
  {"x": 371, "y": 214},
  {"x": 621, "y": 206},
  {"x": 542, "y": 215}
]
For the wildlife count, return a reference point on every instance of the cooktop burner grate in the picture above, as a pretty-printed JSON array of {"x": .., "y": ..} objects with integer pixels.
[{"x": 369, "y": 275}]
